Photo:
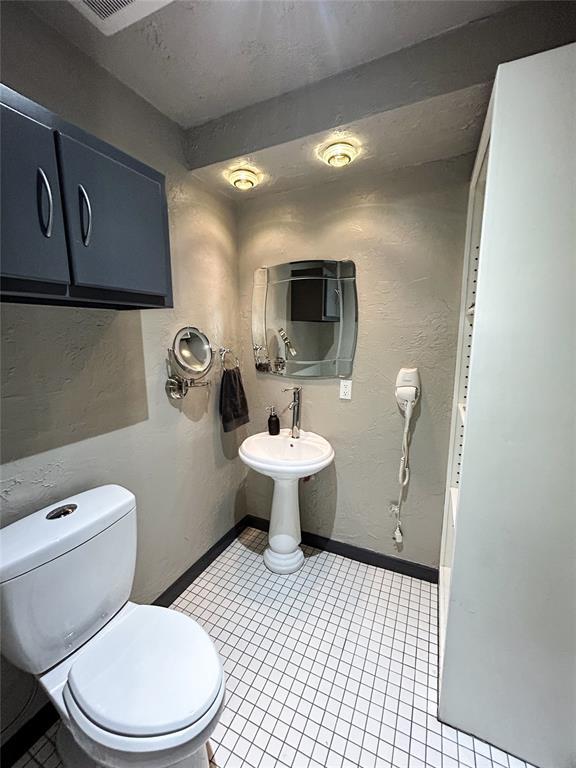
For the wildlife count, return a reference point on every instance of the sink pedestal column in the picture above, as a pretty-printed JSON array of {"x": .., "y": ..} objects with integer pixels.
[{"x": 284, "y": 554}]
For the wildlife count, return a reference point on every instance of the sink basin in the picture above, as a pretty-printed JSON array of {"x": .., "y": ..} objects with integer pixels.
[{"x": 285, "y": 457}]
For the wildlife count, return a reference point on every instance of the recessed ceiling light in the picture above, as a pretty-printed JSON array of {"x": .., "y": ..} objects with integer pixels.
[
  {"x": 243, "y": 178},
  {"x": 340, "y": 154}
]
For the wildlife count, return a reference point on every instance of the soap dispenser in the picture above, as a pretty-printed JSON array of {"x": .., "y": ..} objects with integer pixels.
[{"x": 273, "y": 421}]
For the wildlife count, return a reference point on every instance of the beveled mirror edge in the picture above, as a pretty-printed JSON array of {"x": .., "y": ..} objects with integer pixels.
[{"x": 259, "y": 294}]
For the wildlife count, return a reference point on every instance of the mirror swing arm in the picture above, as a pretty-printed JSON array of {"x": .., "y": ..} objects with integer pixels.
[{"x": 177, "y": 385}]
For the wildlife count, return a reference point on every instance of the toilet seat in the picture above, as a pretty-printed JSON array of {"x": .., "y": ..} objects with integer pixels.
[
  {"x": 156, "y": 672},
  {"x": 153, "y": 683}
]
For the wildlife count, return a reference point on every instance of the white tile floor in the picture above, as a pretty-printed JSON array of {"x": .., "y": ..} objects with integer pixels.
[{"x": 331, "y": 667}]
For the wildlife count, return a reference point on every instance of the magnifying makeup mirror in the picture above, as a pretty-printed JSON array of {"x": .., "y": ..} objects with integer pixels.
[{"x": 190, "y": 358}]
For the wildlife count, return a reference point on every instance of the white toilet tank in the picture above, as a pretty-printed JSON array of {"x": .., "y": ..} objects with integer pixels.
[{"x": 65, "y": 572}]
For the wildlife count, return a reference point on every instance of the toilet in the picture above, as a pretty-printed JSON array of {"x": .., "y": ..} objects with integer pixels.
[{"x": 135, "y": 685}]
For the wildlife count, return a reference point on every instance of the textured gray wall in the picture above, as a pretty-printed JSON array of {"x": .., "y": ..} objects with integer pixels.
[
  {"x": 405, "y": 232},
  {"x": 83, "y": 399}
]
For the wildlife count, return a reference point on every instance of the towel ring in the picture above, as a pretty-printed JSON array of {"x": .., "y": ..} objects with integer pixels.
[{"x": 226, "y": 351}]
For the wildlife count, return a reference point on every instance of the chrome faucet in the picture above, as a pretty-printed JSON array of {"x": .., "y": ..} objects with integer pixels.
[{"x": 295, "y": 408}]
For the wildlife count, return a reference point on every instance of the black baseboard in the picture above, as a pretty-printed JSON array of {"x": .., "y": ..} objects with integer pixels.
[
  {"x": 26, "y": 736},
  {"x": 174, "y": 590},
  {"x": 368, "y": 556},
  {"x": 31, "y": 731}
]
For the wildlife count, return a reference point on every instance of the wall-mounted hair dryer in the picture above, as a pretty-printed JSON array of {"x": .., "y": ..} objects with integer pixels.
[{"x": 407, "y": 394}]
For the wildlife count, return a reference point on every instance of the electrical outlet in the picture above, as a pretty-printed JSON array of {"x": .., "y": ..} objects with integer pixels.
[{"x": 345, "y": 389}]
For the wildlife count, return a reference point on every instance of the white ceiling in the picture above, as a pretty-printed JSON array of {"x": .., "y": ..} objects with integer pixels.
[
  {"x": 198, "y": 60},
  {"x": 443, "y": 127}
]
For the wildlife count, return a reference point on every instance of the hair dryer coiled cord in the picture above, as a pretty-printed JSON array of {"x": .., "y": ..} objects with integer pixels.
[{"x": 404, "y": 473}]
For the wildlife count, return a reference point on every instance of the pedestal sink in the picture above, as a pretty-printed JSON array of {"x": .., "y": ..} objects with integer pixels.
[{"x": 285, "y": 459}]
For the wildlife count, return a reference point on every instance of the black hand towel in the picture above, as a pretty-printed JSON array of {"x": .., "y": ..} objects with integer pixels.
[{"x": 233, "y": 404}]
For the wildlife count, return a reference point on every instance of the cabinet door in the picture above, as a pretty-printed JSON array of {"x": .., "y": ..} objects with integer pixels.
[
  {"x": 33, "y": 240},
  {"x": 115, "y": 220}
]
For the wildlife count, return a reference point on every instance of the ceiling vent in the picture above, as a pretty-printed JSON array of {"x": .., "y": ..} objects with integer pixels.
[{"x": 110, "y": 16}]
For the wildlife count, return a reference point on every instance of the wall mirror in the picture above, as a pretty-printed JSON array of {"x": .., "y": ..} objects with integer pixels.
[
  {"x": 192, "y": 351},
  {"x": 189, "y": 360},
  {"x": 305, "y": 319}
]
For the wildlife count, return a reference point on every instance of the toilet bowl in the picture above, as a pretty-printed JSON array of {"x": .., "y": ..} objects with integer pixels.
[
  {"x": 147, "y": 690},
  {"x": 135, "y": 685}
]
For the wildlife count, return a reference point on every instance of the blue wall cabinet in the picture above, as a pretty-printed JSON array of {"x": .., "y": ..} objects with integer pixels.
[
  {"x": 33, "y": 240},
  {"x": 83, "y": 224},
  {"x": 114, "y": 221}
]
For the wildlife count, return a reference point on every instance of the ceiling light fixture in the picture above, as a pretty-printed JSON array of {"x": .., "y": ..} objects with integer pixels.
[
  {"x": 340, "y": 154},
  {"x": 243, "y": 178}
]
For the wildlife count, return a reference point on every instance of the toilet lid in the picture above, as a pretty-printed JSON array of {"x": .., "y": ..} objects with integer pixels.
[{"x": 156, "y": 672}]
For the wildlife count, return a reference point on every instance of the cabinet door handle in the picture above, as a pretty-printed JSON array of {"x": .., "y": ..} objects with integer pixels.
[
  {"x": 86, "y": 232},
  {"x": 43, "y": 179}
]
